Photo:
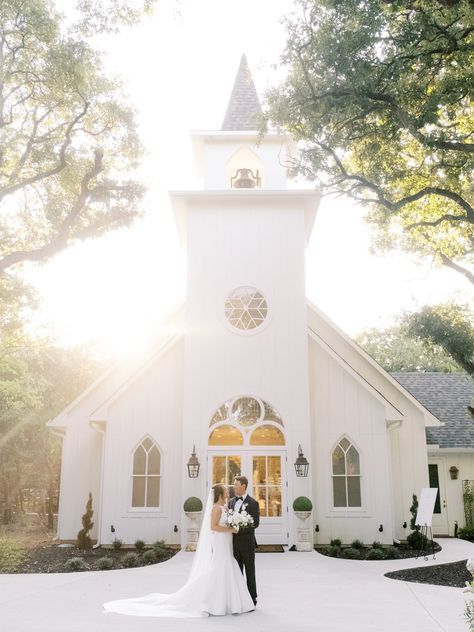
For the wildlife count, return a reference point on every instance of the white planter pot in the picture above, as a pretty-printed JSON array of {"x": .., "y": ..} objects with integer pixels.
[
  {"x": 192, "y": 532},
  {"x": 303, "y": 534}
]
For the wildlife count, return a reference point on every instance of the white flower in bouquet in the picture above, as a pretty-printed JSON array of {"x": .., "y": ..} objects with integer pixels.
[{"x": 240, "y": 521}]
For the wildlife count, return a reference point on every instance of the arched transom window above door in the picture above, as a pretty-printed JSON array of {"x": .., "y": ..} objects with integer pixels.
[{"x": 246, "y": 420}]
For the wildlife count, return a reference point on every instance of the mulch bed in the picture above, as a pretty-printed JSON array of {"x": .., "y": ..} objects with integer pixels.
[
  {"x": 51, "y": 558},
  {"x": 453, "y": 574},
  {"x": 403, "y": 551}
]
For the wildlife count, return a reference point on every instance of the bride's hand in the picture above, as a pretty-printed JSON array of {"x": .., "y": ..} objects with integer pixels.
[{"x": 235, "y": 529}]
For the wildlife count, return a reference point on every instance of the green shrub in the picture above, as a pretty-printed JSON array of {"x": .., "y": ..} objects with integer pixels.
[
  {"x": 351, "y": 553},
  {"x": 149, "y": 557},
  {"x": 139, "y": 545},
  {"x": 12, "y": 556},
  {"x": 104, "y": 563},
  {"x": 75, "y": 564},
  {"x": 117, "y": 544},
  {"x": 466, "y": 533},
  {"x": 415, "y": 540},
  {"x": 392, "y": 553},
  {"x": 302, "y": 503},
  {"x": 334, "y": 551},
  {"x": 336, "y": 542},
  {"x": 130, "y": 560},
  {"x": 84, "y": 543},
  {"x": 159, "y": 548},
  {"x": 375, "y": 554},
  {"x": 357, "y": 544},
  {"x": 377, "y": 545},
  {"x": 192, "y": 504}
]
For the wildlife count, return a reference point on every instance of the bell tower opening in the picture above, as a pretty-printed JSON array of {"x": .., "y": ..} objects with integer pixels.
[{"x": 244, "y": 170}]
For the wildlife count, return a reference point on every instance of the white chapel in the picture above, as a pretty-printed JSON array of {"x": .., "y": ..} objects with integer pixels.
[{"x": 246, "y": 377}]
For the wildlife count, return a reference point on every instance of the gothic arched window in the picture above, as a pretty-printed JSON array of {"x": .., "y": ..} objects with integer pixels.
[
  {"x": 146, "y": 475},
  {"x": 346, "y": 475}
]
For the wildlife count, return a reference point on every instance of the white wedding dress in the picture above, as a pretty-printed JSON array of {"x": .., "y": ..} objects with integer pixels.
[{"x": 215, "y": 586}]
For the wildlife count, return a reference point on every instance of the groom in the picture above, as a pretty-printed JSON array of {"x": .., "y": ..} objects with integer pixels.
[{"x": 244, "y": 543}]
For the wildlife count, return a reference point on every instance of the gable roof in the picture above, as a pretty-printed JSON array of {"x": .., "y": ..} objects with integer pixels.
[
  {"x": 447, "y": 396},
  {"x": 244, "y": 109},
  {"x": 363, "y": 364}
]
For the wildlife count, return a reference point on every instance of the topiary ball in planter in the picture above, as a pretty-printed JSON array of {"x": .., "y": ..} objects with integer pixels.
[
  {"x": 192, "y": 504},
  {"x": 302, "y": 503}
]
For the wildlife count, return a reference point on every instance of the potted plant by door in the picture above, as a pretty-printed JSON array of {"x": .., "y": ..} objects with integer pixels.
[
  {"x": 303, "y": 507},
  {"x": 193, "y": 510}
]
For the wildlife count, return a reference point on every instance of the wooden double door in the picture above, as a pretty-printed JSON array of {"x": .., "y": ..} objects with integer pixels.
[{"x": 266, "y": 473}]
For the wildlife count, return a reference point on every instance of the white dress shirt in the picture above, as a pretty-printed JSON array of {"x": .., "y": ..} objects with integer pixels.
[{"x": 239, "y": 503}]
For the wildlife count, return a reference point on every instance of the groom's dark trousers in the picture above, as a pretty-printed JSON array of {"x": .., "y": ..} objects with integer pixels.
[{"x": 244, "y": 546}]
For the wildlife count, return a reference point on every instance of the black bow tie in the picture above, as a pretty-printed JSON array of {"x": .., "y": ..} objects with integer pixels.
[{"x": 238, "y": 498}]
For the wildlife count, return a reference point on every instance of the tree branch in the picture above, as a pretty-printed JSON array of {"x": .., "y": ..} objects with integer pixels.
[{"x": 455, "y": 266}]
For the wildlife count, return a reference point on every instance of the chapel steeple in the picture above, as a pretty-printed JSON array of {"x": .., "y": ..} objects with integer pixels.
[{"x": 244, "y": 109}]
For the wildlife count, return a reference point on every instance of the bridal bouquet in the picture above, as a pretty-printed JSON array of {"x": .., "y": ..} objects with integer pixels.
[{"x": 242, "y": 521}]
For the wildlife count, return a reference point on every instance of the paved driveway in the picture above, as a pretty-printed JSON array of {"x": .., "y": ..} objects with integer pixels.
[{"x": 297, "y": 591}]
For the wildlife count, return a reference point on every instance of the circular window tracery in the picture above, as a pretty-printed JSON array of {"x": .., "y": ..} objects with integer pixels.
[{"x": 245, "y": 308}]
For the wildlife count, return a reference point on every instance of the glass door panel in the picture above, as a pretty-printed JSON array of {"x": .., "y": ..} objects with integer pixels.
[
  {"x": 267, "y": 485},
  {"x": 224, "y": 469}
]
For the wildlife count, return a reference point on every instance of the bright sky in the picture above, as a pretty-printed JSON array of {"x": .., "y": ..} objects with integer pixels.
[{"x": 179, "y": 67}]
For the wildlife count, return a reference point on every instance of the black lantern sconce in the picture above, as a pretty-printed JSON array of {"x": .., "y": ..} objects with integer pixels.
[
  {"x": 453, "y": 471},
  {"x": 193, "y": 464},
  {"x": 301, "y": 464}
]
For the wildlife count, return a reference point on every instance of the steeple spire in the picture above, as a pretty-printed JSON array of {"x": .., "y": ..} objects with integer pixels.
[{"x": 244, "y": 109}]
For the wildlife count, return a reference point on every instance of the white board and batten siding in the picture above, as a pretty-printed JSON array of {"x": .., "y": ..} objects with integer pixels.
[{"x": 150, "y": 407}]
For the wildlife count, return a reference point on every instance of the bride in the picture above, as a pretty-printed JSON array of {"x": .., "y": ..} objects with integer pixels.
[{"x": 215, "y": 585}]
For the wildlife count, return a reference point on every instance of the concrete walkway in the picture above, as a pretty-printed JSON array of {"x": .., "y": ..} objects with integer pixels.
[{"x": 297, "y": 592}]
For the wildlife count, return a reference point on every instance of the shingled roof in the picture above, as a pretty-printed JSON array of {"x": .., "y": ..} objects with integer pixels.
[
  {"x": 244, "y": 109},
  {"x": 445, "y": 395}
]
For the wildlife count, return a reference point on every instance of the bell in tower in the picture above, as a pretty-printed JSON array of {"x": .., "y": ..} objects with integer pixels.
[{"x": 245, "y": 179}]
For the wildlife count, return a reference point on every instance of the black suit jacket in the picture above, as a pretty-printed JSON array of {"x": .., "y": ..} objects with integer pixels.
[{"x": 252, "y": 508}]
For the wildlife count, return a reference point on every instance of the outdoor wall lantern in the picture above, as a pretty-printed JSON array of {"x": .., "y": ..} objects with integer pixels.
[
  {"x": 193, "y": 464},
  {"x": 301, "y": 463},
  {"x": 453, "y": 471}
]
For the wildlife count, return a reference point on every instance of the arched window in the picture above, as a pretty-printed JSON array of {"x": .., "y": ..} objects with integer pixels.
[
  {"x": 346, "y": 475},
  {"x": 226, "y": 435},
  {"x": 146, "y": 476},
  {"x": 267, "y": 435}
]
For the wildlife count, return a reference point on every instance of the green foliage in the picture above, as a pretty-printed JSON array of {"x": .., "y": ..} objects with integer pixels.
[
  {"x": 69, "y": 142},
  {"x": 415, "y": 540},
  {"x": 302, "y": 503},
  {"x": 117, "y": 544},
  {"x": 375, "y": 554},
  {"x": 392, "y": 553},
  {"x": 357, "y": 544},
  {"x": 149, "y": 557},
  {"x": 139, "y": 545},
  {"x": 12, "y": 555},
  {"x": 351, "y": 554},
  {"x": 336, "y": 542},
  {"x": 468, "y": 501},
  {"x": 84, "y": 542},
  {"x": 75, "y": 564},
  {"x": 192, "y": 504},
  {"x": 104, "y": 563},
  {"x": 395, "y": 350},
  {"x": 448, "y": 326},
  {"x": 414, "y": 511},
  {"x": 466, "y": 533},
  {"x": 160, "y": 549},
  {"x": 334, "y": 551},
  {"x": 380, "y": 94},
  {"x": 377, "y": 545},
  {"x": 130, "y": 560}
]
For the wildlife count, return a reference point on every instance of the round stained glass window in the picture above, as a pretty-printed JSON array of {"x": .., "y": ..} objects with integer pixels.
[{"x": 245, "y": 308}]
